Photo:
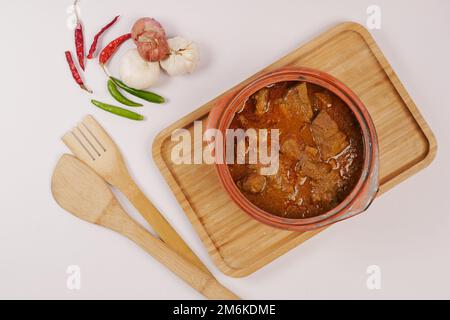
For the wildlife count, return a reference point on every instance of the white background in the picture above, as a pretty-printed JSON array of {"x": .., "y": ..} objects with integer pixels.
[{"x": 406, "y": 231}]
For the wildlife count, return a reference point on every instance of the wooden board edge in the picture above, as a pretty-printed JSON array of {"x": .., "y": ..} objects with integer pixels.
[{"x": 286, "y": 247}]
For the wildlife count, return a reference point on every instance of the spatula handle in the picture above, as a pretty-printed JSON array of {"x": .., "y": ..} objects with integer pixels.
[
  {"x": 157, "y": 221},
  {"x": 115, "y": 218}
]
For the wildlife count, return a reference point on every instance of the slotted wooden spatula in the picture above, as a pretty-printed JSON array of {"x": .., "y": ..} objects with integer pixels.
[
  {"x": 79, "y": 190},
  {"x": 90, "y": 143}
]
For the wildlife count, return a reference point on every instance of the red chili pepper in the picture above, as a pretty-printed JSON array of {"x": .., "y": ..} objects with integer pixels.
[
  {"x": 97, "y": 36},
  {"x": 112, "y": 47},
  {"x": 75, "y": 73},
  {"x": 79, "y": 38}
]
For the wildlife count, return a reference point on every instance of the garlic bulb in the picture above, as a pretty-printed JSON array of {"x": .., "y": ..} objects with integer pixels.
[
  {"x": 137, "y": 73},
  {"x": 183, "y": 57}
]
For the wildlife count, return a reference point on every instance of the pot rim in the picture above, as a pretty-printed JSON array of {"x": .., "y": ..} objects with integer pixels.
[{"x": 367, "y": 128}]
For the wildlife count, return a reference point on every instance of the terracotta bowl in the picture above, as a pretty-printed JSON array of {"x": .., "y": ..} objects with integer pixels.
[{"x": 366, "y": 188}]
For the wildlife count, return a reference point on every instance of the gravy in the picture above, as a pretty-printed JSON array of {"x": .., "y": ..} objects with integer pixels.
[{"x": 321, "y": 150}]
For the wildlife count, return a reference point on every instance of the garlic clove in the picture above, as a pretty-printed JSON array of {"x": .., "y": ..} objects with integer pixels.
[{"x": 183, "y": 57}]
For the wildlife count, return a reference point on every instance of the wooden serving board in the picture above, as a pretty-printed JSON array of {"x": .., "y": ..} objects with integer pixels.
[{"x": 238, "y": 244}]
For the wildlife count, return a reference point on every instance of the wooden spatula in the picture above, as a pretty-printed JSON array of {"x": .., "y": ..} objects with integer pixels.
[
  {"x": 90, "y": 143},
  {"x": 79, "y": 190}
]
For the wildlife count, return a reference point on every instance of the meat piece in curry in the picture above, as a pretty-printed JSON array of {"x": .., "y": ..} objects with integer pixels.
[
  {"x": 321, "y": 150},
  {"x": 297, "y": 104},
  {"x": 262, "y": 97},
  {"x": 254, "y": 183}
]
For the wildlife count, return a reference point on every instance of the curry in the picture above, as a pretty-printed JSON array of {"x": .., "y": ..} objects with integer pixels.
[{"x": 321, "y": 150}]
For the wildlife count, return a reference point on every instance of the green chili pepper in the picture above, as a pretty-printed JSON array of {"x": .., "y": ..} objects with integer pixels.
[
  {"x": 116, "y": 94},
  {"x": 117, "y": 110},
  {"x": 146, "y": 95}
]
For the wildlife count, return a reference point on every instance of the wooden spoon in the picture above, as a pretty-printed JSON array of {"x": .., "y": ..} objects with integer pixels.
[{"x": 79, "y": 190}]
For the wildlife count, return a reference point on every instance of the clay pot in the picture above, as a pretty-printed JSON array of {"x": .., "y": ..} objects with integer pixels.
[{"x": 366, "y": 188}]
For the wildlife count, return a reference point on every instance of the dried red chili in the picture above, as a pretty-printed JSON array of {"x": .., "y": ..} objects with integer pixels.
[
  {"x": 79, "y": 38},
  {"x": 97, "y": 36},
  {"x": 112, "y": 47},
  {"x": 75, "y": 73}
]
